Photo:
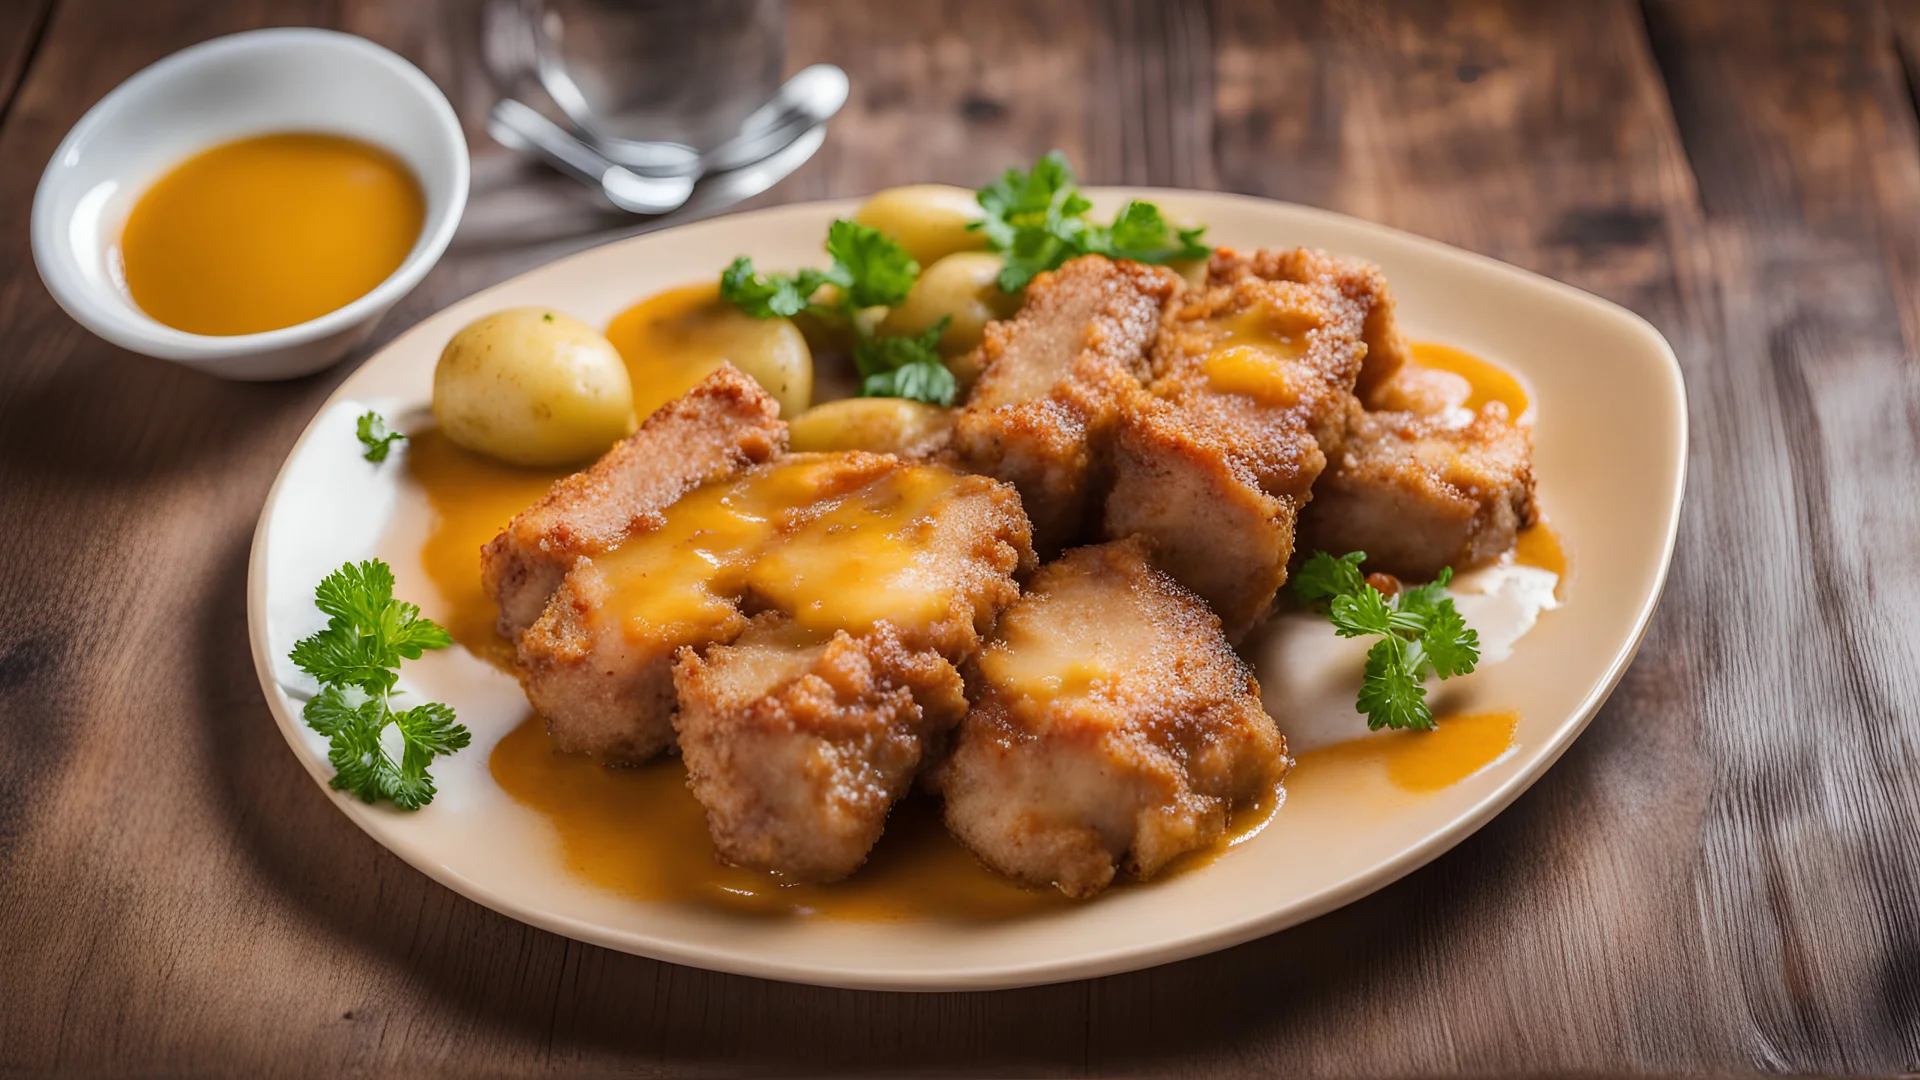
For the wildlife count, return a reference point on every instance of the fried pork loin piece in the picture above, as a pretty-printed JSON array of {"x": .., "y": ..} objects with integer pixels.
[
  {"x": 798, "y": 748},
  {"x": 714, "y": 430},
  {"x": 1252, "y": 391},
  {"x": 1361, "y": 282},
  {"x": 1054, "y": 377},
  {"x": 1419, "y": 493},
  {"x": 837, "y": 540},
  {"x": 1111, "y": 726}
]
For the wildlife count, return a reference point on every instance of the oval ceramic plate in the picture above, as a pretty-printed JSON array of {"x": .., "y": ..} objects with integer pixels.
[{"x": 1610, "y": 439}]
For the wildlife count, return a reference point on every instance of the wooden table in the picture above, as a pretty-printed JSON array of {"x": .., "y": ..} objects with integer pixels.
[{"x": 1722, "y": 875}]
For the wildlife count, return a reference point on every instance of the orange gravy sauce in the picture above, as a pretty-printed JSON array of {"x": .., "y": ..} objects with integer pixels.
[
  {"x": 639, "y": 833},
  {"x": 673, "y": 339},
  {"x": 269, "y": 232},
  {"x": 472, "y": 498},
  {"x": 1540, "y": 545},
  {"x": 1419, "y": 761},
  {"x": 1489, "y": 381}
]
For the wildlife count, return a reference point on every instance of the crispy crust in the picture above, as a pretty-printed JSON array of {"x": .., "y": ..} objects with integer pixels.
[
  {"x": 714, "y": 430},
  {"x": 1215, "y": 479},
  {"x": 798, "y": 751},
  {"x": 1142, "y": 766},
  {"x": 1054, "y": 379},
  {"x": 1420, "y": 493}
]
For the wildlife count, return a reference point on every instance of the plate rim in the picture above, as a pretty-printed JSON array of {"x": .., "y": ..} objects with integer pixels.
[{"x": 1209, "y": 939}]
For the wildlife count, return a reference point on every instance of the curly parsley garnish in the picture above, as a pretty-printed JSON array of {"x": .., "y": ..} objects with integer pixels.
[
  {"x": 376, "y": 752},
  {"x": 1038, "y": 219},
  {"x": 905, "y": 367},
  {"x": 371, "y": 429},
  {"x": 1420, "y": 635},
  {"x": 869, "y": 270}
]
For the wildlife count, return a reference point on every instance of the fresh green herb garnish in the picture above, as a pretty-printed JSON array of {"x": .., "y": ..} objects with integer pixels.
[
  {"x": 905, "y": 367},
  {"x": 376, "y": 752},
  {"x": 1420, "y": 635},
  {"x": 372, "y": 431},
  {"x": 767, "y": 296},
  {"x": 1037, "y": 220},
  {"x": 869, "y": 270}
]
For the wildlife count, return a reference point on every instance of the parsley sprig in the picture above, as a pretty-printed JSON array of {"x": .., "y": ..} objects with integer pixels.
[
  {"x": 905, "y": 367},
  {"x": 371, "y": 429},
  {"x": 376, "y": 752},
  {"x": 869, "y": 270},
  {"x": 1420, "y": 633},
  {"x": 1038, "y": 220}
]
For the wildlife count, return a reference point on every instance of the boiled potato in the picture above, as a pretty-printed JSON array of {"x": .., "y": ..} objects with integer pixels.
[
  {"x": 532, "y": 386},
  {"x": 673, "y": 340},
  {"x": 928, "y": 220},
  {"x": 881, "y": 425},
  {"x": 961, "y": 288}
]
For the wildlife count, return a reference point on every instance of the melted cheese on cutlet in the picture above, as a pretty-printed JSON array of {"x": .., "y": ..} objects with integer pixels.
[{"x": 797, "y": 536}]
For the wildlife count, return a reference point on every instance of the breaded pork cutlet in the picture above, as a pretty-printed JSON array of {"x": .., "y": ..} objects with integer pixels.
[
  {"x": 797, "y": 748},
  {"x": 1111, "y": 726},
  {"x": 1418, "y": 493},
  {"x": 1053, "y": 379},
  {"x": 800, "y": 737},
  {"x": 1359, "y": 281},
  {"x": 837, "y": 541},
  {"x": 1251, "y": 391},
  {"x": 719, "y": 427}
]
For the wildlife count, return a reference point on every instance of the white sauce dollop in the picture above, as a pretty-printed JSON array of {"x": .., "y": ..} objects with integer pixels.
[{"x": 1309, "y": 675}]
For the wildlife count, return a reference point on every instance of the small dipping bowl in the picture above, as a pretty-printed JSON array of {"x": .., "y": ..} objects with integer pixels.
[{"x": 257, "y": 83}]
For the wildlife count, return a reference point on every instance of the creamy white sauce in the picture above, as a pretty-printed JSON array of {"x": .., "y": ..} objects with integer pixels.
[{"x": 1309, "y": 675}]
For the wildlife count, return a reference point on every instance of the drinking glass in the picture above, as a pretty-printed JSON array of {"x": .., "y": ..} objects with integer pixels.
[{"x": 676, "y": 71}]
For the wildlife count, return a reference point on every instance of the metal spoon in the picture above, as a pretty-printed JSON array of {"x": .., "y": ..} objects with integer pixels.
[
  {"x": 510, "y": 125},
  {"x": 516, "y": 125}
]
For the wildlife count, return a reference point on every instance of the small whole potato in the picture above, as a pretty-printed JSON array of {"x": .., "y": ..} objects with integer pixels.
[
  {"x": 928, "y": 220},
  {"x": 531, "y": 386},
  {"x": 878, "y": 425},
  {"x": 961, "y": 288}
]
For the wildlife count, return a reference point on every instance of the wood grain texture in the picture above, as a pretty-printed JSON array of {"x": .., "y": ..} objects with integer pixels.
[{"x": 1722, "y": 875}]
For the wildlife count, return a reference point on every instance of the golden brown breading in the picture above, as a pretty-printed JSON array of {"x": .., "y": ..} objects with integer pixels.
[
  {"x": 798, "y": 748},
  {"x": 719, "y": 427},
  {"x": 1111, "y": 725},
  {"x": 1251, "y": 390},
  {"x": 1053, "y": 379},
  {"x": 1418, "y": 493},
  {"x": 1358, "y": 280},
  {"x": 836, "y": 540}
]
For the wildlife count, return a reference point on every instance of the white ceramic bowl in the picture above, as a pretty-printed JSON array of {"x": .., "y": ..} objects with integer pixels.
[{"x": 289, "y": 79}]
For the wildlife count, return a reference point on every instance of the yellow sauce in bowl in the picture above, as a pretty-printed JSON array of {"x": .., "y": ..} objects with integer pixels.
[{"x": 268, "y": 232}]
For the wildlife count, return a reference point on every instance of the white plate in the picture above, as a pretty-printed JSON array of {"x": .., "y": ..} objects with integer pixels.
[{"x": 1610, "y": 439}]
